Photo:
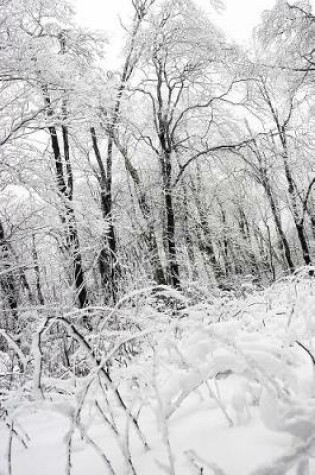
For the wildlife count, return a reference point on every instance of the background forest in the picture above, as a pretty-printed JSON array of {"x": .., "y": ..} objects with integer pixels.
[
  {"x": 191, "y": 167},
  {"x": 187, "y": 174}
]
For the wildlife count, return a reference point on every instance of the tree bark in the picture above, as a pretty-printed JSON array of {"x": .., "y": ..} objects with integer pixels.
[
  {"x": 170, "y": 236},
  {"x": 64, "y": 178},
  {"x": 145, "y": 209},
  {"x": 205, "y": 242},
  {"x": 277, "y": 220}
]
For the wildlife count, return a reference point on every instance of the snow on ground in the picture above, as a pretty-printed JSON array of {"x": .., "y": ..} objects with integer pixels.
[{"x": 224, "y": 387}]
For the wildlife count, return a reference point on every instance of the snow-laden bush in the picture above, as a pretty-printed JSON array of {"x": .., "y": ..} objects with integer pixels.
[{"x": 167, "y": 391}]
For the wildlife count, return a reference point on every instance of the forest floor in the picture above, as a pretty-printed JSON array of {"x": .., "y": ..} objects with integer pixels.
[{"x": 224, "y": 387}]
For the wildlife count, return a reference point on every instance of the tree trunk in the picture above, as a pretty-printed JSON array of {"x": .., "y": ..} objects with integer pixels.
[
  {"x": 205, "y": 243},
  {"x": 170, "y": 237},
  {"x": 108, "y": 262},
  {"x": 190, "y": 245},
  {"x": 245, "y": 233},
  {"x": 145, "y": 209},
  {"x": 40, "y": 296},
  {"x": 299, "y": 223},
  {"x": 64, "y": 179},
  {"x": 277, "y": 220}
]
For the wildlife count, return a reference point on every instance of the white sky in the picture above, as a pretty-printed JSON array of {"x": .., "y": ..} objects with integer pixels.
[{"x": 237, "y": 21}]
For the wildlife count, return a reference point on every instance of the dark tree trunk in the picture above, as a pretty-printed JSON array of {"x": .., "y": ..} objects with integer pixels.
[
  {"x": 292, "y": 190},
  {"x": 64, "y": 177},
  {"x": 303, "y": 242},
  {"x": 261, "y": 175},
  {"x": 9, "y": 280},
  {"x": 108, "y": 262},
  {"x": 80, "y": 285},
  {"x": 224, "y": 244},
  {"x": 246, "y": 235},
  {"x": 169, "y": 237},
  {"x": 145, "y": 208},
  {"x": 40, "y": 296},
  {"x": 205, "y": 241},
  {"x": 188, "y": 237},
  {"x": 277, "y": 220},
  {"x": 299, "y": 223},
  {"x": 311, "y": 216}
]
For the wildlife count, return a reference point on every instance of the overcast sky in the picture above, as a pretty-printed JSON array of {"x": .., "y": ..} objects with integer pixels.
[{"x": 238, "y": 20}]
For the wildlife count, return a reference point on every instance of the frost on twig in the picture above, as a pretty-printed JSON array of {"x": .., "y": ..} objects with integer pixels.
[
  {"x": 9, "y": 451},
  {"x": 124, "y": 447},
  {"x": 199, "y": 464},
  {"x": 163, "y": 423},
  {"x": 15, "y": 347}
]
